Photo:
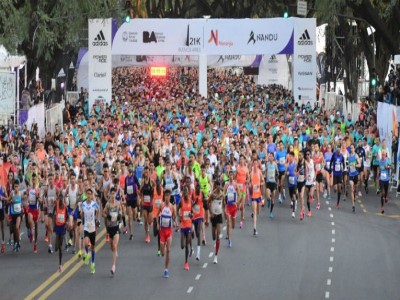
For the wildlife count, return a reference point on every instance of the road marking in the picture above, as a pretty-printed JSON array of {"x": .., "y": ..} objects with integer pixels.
[
  {"x": 198, "y": 277},
  {"x": 211, "y": 254},
  {"x": 362, "y": 205},
  {"x": 333, "y": 223},
  {"x": 359, "y": 201},
  {"x": 190, "y": 289},
  {"x": 327, "y": 202},
  {"x": 326, "y": 295},
  {"x": 331, "y": 215},
  {"x": 205, "y": 265},
  {"x": 224, "y": 228},
  {"x": 331, "y": 259},
  {"x": 71, "y": 272},
  {"x": 333, "y": 240},
  {"x": 387, "y": 216},
  {"x": 57, "y": 274},
  {"x": 329, "y": 208},
  {"x": 328, "y": 282},
  {"x": 330, "y": 269},
  {"x": 333, "y": 231},
  {"x": 332, "y": 249},
  {"x": 364, "y": 210},
  {"x": 221, "y": 236}
]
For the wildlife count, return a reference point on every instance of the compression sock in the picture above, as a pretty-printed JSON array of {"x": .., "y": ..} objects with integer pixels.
[
  {"x": 86, "y": 249},
  {"x": 272, "y": 207},
  {"x": 338, "y": 198},
  {"x": 124, "y": 221},
  {"x": 93, "y": 255},
  {"x": 308, "y": 205}
]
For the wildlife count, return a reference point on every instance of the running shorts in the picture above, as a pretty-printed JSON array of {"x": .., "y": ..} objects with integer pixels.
[
  {"x": 131, "y": 203},
  {"x": 271, "y": 186},
  {"x": 337, "y": 179},
  {"x": 216, "y": 219},
  {"x": 258, "y": 200},
  {"x": 112, "y": 231},
  {"x": 91, "y": 236},
  {"x": 292, "y": 191},
  {"x": 231, "y": 210},
  {"x": 165, "y": 234},
  {"x": 319, "y": 177},
  {"x": 354, "y": 179},
  {"x": 60, "y": 230},
  {"x": 34, "y": 213}
]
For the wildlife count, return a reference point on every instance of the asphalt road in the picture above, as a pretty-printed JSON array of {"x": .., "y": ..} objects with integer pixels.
[{"x": 335, "y": 254}]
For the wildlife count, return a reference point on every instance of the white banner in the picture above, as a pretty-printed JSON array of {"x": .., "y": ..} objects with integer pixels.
[
  {"x": 72, "y": 97},
  {"x": 304, "y": 61},
  {"x": 54, "y": 116},
  {"x": 36, "y": 115},
  {"x": 100, "y": 69},
  {"x": 7, "y": 92},
  {"x": 205, "y": 36},
  {"x": 274, "y": 69},
  {"x": 387, "y": 122}
]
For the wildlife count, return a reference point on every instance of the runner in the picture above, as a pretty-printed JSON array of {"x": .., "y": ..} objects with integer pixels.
[
  {"x": 354, "y": 165},
  {"x": 318, "y": 159},
  {"x": 147, "y": 194},
  {"x": 205, "y": 186},
  {"x": 383, "y": 173},
  {"x": 301, "y": 175},
  {"x": 310, "y": 181},
  {"x": 337, "y": 165},
  {"x": 280, "y": 158},
  {"x": 375, "y": 161},
  {"x": 230, "y": 195},
  {"x": 91, "y": 214},
  {"x": 33, "y": 210},
  {"x": 328, "y": 171},
  {"x": 131, "y": 190},
  {"x": 242, "y": 178},
  {"x": 292, "y": 181},
  {"x": 15, "y": 202},
  {"x": 60, "y": 215},
  {"x": 257, "y": 181},
  {"x": 367, "y": 163},
  {"x": 216, "y": 204},
  {"x": 104, "y": 189},
  {"x": 73, "y": 211},
  {"x": 362, "y": 156},
  {"x": 166, "y": 218},
  {"x": 157, "y": 202},
  {"x": 185, "y": 215},
  {"x": 51, "y": 193},
  {"x": 199, "y": 200},
  {"x": 113, "y": 213},
  {"x": 272, "y": 170}
]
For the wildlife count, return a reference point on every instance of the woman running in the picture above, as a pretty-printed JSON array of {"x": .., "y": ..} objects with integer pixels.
[
  {"x": 157, "y": 201},
  {"x": 60, "y": 215}
]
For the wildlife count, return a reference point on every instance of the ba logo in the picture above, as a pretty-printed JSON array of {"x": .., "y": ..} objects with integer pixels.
[
  {"x": 149, "y": 37},
  {"x": 213, "y": 37},
  {"x": 100, "y": 40},
  {"x": 124, "y": 36},
  {"x": 305, "y": 39}
]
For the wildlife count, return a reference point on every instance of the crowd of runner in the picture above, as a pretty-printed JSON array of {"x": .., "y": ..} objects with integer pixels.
[{"x": 162, "y": 155}]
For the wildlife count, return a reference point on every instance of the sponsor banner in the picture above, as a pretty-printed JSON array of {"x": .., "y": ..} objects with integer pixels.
[
  {"x": 159, "y": 37},
  {"x": 304, "y": 61},
  {"x": 387, "y": 123},
  {"x": 7, "y": 92},
  {"x": 274, "y": 69},
  {"x": 201, "y": 36},
  {"x": 54, "y": 116},
  {"x": 100, "y": 61},
  {"x": 36, "y": 115}
]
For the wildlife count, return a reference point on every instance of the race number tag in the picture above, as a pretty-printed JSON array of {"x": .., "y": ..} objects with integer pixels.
[
  {"x": 352, "y": 168},
  {"x": 129, "y": 189},
  {"x": 337, "y": 167},
  {"x": 186, "y": 215},
  {"x": 114, "y": 216},
  {"x": 196, "y": 209},
  {"x": 383, "y": 176},
  {"x": 291, "y": 179},
  {"x": 301, "y": 178},
  {"x": 282, "y": 160},
  {"x": 165, "y": 222},
  {"x": 256, "y": 188},
  {"x": 231, "y": 197},
  {"x": 60, "y": 218},
  {"x": 17, "y": 207},
  {"x": 146, "y": 199},
  {"x": 157, "y": 202}
]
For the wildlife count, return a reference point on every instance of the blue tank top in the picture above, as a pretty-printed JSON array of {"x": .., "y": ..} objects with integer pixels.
[
  {"x": 16, "y": 207},
  {"x": 352, "y": 165},
  {"x": 328, "y": 158},
  {"x": 338, "y": 162},
  {"x": 281, "y": 159},
  {"x": 384, "y": 176},
  {"x": 271, "y": 173},
  {"x": 231, "y": 195},
  {"x": 292, "y": 178},
  {"x": 139, "y": 172}
]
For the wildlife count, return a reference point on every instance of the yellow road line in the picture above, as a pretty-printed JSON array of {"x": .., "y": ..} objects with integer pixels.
[
  {"x": 387, "y": 216},
  {"x": 53, "y": 277},
  {"x": 71, "y": 272}
]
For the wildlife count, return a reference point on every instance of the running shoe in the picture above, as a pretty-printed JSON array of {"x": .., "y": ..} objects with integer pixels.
[
  {"x": 241, "y": 224},
  {"x": 50, "y": 250},
  {"x": 284, "y": 195},
  {"x": 325, "y": 194},
  {"x": 204, "y": 242},
  {"x": 2, "y": 247},
  {"x": 338, "y": 206},
  {"x": 166, "y": 273},
  {"x": 386, "y": 200},
  {"x": 158, "y": 253},
  {"x": 309, "y": 214},
  {"x": 186, "y": 266},
  {"x": 46, "y": 239},
  {"x": 359, "y": 194},
  {"x": 311, "y": 199},
  {"x": 107, "y": 238},
  {"x": 229, "y": 243},
  {"x": 329, "y": 197},
  {"x": 147, "y": 238},
  {"x": 125, "y": 230},
  {"x": 60, "y": 269},
  {"x": 280, "y": 199},
  {"x": 86, "y": 259},
  {"x": 79, "y": 253},
  {"x": 73, "y": 251},
  {"x": 69, "y": 242},
  {"x": 92, "y": 268},
  {"x": 10, "y": 242},
  {"x": 255, "y": 232},
  {"x": 318, "y": 206},
  {"x": 17, "y": 247},
  {"x": 271, "y": 216},
  {"x": 131, "y": 237},
  {"x": 215, "y": 259},
  {"x": 302, "y": 214},
  {"x": 269, "y": 203},
  {"x": 293, "y": 215},
  {"x": 378, "y": 191},
  {"x": 354, "y": 209},
  {"x": 35, "y": 248},
  {"x": 382, "y": 210},
  {"x": 112, "y": 270}
]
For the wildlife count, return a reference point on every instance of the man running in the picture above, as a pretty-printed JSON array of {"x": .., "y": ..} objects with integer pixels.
[
  {"x": 230, "y": 196},
  {"x": 271, "y": 170},
  {"x": 384, "y": 172},
  {"x": 280, "y": 158},
  {"x": 354, "y": 166},
  {"x": 337, "y": 165},
  {"x": 292, "y": 181},
  {"x": 242, "y": 178},
  {"x": 216, "y": 204},
  {"x": 257, "y": 181},
  {"x": 131, "y": 190}
]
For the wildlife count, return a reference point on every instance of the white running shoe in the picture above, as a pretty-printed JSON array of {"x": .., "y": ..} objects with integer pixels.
[
  {"x": 215, "y": 259},
  {"x": 293, "y": 215}
]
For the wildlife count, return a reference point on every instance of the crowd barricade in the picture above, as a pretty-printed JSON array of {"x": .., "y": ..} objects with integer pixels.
[{"x": 54, "y": 115}]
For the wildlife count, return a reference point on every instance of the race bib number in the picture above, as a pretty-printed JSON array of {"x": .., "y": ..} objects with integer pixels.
[
  {"x": 114, "y": 216},
  {"x": 263, "y": 167},
  {"x": 60, "y": 218},
  {"x": 328, "y": 164},
  {"x": 240, "y": 186},
  {"x": 256, "y": 188},
  {"x": 186, "y": 215},
  {"x": 291, "y": 179},
  {"x": 383, "y": 176},
  {"x": 281, "y": 160},
  {"x": 216, "y": 207},
  {"x": 318, "y": 167},
  {"x": 196, "y": 209},
  {"x": 271, "y": 175},
  {"x": 146, "y": 199},
  {"x": 158, "y": 202},
  {"x": 352, "y": 168},
  {"x": 129, "y": 189},
  {"x": 169, "y": 186},
  {"x": 32, "y": 199},
  {"x": 231, "y": 197},
  {"x": 165, "y": 222},
  {"x": 338, "y": 167},
  {"x": 301, "y": 178},
  {"x": 91, "y": 226},
  {"x": 309, "y": 178},
  {"x": 51, "y": 200},
  {"x": 17, "y": 207}
]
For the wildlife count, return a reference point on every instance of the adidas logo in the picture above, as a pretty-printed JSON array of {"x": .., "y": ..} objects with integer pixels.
[
  {"x": 305, "y": 39},
  {"x": 100, "y": 40}
]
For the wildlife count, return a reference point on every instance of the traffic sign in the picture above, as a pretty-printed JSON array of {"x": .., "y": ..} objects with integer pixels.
[{"x": 302, "y": 8}]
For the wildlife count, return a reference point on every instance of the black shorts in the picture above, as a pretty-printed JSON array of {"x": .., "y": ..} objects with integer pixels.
[
  {"x": 360, "y": 170},
  {"x": 375, "y": 168},
  {"x": 300, "y": 186},
  {"x": 14, "y": 218},
  {"x": 103, "y": 201},
  {"x": 280, "y": 174},
  {"x": 2, "y": 215},
  {"x": 292, "y": 191},
  {"x": 131, "y": 203},
  {"x": 345, "y": 173},
  {"x": 384, "y": 185},
  {"x": 329, "y": 171},
  {"x": 112, "y": 231},
  {"x": 337, "y": 179},
  {"x": 319, "y": 178},
  {"x": 149, "y": 209},
  {"x": 271, "y": 186},
  {"x": 91, "y": 236},
  {"x": 205, "y": 205},
  {"x": 172, "y": 199},
  {"x": 354, "y": 179},
  {"x": 216, "y": 219}
]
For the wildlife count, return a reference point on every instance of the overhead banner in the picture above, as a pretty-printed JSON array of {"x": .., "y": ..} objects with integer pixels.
[
  {"x": 305, "y": 61},
  {"x": 7, "y": 92},
  {"x": 274, "y": 69},
  {"x": 205, "y": 36},
  {"x": 100, "y": 67},
  {"x": 387, "y": 123}
]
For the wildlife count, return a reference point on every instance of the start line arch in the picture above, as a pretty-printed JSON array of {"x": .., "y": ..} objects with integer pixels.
[{"x": 202, "y": 37}]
